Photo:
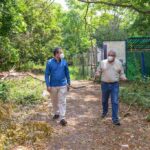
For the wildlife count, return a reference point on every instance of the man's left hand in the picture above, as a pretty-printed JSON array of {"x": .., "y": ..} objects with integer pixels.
[
  {"x": 124, "y": 79},
  {"x": 68, "y": 87}
]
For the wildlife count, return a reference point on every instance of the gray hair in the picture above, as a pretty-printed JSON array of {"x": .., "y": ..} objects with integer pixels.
[{"x": 112, "y": 52}]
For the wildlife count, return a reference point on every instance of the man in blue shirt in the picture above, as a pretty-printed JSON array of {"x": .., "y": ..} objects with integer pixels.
[{"x": 57, "y": 79}]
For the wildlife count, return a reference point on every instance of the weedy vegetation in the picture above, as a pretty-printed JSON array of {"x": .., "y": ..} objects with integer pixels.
[{"x": 14, "y": 94}]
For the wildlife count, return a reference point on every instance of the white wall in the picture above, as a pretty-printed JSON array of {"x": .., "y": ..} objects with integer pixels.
[
  {"x": 99, "y": 55},
  {"x": 119, "y": 47}
]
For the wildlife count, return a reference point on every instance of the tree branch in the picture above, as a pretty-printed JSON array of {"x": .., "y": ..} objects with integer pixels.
[
  {"x": 87, "y": 9},
  {"x": 130, "y": 6}
]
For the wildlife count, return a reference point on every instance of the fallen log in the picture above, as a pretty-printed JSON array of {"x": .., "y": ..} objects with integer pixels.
[
  {"x": 34, "y": 77},
  {"x": 9, "y": 74}
]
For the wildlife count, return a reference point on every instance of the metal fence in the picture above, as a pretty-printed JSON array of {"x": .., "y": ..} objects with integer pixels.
[
  {"x": 137, "y": 63},
  {"x": 138, "y": 57},
  {"x": 86, "y": 63}
]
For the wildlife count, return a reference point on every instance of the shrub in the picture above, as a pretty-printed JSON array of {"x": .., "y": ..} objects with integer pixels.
[
  {"x": 136, "y": 93},
  {"x": 3, "y": 91},
  {"x": 25, "y": 90}
]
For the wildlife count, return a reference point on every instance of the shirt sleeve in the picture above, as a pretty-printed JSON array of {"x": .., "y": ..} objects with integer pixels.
[
  {"x": 122, "y": 74},
  {"x": 67, "y": 73},
  {"x": 47, "y": 74}
]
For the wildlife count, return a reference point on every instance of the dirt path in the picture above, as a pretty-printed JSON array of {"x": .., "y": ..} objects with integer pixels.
[{"x": 87, "y": 131}]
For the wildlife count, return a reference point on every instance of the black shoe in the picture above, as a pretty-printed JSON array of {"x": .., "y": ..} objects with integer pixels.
[
  {"x": 63, "y": 122},
  {"x": 55, "y": 117},
  {"x": 103, "y": 115},
  {"x": 117, "y": 123}
]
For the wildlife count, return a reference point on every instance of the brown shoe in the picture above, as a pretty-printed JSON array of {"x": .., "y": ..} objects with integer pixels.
[
  {"x": 63, "y": 122},
  {"x": 103, "y": 116}
]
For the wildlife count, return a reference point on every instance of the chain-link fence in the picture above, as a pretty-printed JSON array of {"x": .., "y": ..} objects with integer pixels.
[{"x": 138, "y": 58}]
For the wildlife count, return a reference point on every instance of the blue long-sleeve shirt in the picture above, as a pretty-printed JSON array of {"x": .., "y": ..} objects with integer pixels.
[{"x": 57, "y": 73}]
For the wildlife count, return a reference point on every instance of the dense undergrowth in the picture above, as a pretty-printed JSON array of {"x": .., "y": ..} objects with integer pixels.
[
  {"x": 136, "y": 93},
  {"x": 21, "y": 91}
]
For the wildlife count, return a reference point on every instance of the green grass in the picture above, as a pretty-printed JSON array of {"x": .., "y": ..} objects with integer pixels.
[
  {"x": 75, "y": 71},
  {"x": 28, "y": 90},
  {"x": 30, "y": 66},
  {"x": 3, "y": 91},
  {"x": 24, "y": 90},
  {"x": 76, "y": 74}
]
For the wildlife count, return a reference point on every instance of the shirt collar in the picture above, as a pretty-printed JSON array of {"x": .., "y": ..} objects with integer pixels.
[{"x": 56, "y": 60}]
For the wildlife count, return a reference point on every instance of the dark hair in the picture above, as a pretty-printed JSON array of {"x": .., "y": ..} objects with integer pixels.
[{"x": 56, "y": 50}]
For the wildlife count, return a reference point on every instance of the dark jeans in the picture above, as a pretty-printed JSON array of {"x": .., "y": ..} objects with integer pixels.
[{"x": 110, "y": 89}]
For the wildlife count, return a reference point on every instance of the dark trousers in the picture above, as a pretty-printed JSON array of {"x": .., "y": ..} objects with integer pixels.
[{"x": 110, "y": 89}]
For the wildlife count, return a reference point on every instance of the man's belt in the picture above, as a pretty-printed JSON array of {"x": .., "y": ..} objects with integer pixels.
[{"x": 110, "y": 82}]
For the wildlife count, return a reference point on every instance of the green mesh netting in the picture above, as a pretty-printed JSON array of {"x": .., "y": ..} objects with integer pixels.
[{"x": 135, "y": 48}]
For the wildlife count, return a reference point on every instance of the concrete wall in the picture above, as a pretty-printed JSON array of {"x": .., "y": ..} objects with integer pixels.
[{"x": 119, "y": 47}]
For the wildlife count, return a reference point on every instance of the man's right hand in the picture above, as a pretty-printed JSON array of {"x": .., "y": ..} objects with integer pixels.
[
  {"x": 49, "y": 89},
  {"x": 124, "y": 79},
  {"x": 97, "y": 75}
]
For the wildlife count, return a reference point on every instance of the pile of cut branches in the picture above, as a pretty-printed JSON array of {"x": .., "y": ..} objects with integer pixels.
[{"x": 136, "y": 93}]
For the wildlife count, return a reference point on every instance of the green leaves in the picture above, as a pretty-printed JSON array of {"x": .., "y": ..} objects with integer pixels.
[
  {"x": 136, "y": 95},
  {"x": 29, "y": 31},
  {"x": 75, "y": 37},
  {"x": 3, "y": 91},
  {"x": 140, "y": 6}
]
